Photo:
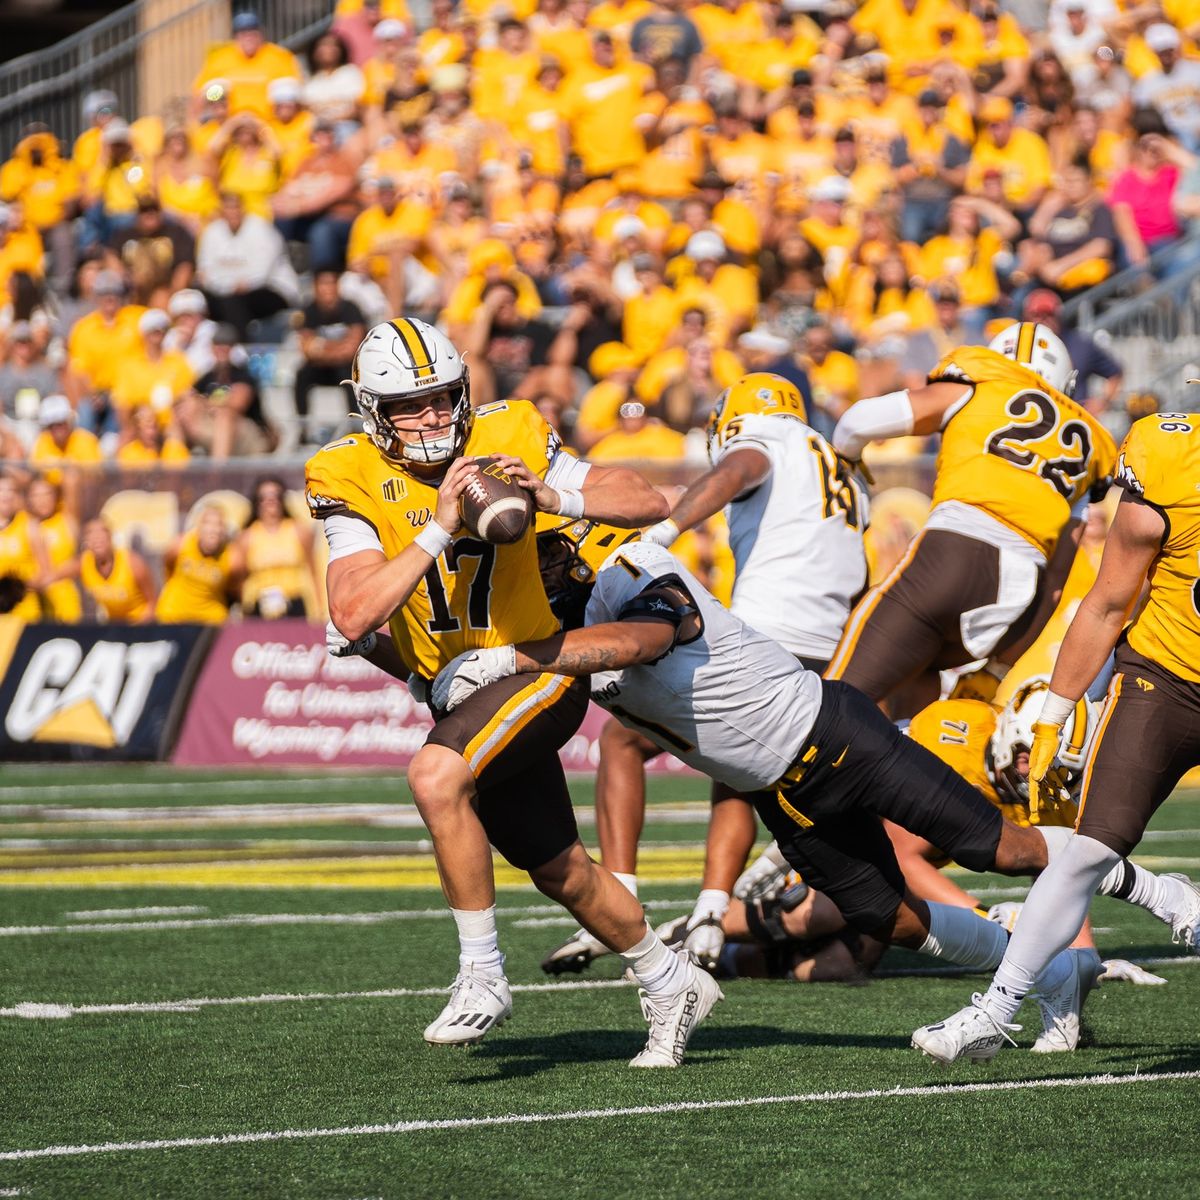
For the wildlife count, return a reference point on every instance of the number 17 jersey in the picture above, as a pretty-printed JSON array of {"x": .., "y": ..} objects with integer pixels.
[
  {"x": 1018, "y": 449},
  {"x": 475, "y": 594}
]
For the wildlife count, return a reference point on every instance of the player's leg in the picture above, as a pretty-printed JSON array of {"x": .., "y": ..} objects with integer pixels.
[
  {"x": 921, "y": 860},
  {"x": 620, "y": 813},
  {"x": 476, "y": 747},
  {"x": 1146, "y": 741}
]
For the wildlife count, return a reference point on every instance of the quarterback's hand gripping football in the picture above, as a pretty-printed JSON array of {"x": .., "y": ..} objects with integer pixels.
[
  {"x": 447, "y": 513},
  {"x": 545, "y": 498},
  {"x": 464, "y": 675},
  {"x": 340, "y": 646},
  {"x": 1045, "y": 783}
]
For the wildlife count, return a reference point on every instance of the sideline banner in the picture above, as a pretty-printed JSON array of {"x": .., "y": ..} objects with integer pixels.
[
  {"x": 270, "y": 694},
  {"x": 96, "y": 692}
]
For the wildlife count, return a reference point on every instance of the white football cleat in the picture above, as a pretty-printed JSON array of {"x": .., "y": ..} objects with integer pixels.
[
  {"x": 478, "y": 1004},
  {"x": 673, "y": 1019},
  {"x": 972, "y": 1033},
  {"x": 575, "y": 955},
  {"x": 1185, "y": 920},
  {"x": 1062, "y": 1003}
]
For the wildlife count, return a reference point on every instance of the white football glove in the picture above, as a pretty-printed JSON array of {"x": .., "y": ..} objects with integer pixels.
[
  {"x": 663, "y": 534},
  {"x": 464, "y": 675},
  {"x": 340, "y": 646},
  {"x": 762, "y": 876},
  {"x": 1120, "y": 969},
  {"x": 1005, "y": 914},
  {"x": 705, "y": 939}
]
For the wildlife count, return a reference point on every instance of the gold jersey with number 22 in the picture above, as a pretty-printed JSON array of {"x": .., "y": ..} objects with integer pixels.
[
  {"x": 476, "y": 594},
  {"x": 1018, "y": 449}
]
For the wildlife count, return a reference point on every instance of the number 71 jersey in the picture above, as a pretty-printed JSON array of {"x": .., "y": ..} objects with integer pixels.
[
  {"x": 475, "y": 594},
  {"x": 1017, "y": 448},
  {"x": 1160, "y": 465}
]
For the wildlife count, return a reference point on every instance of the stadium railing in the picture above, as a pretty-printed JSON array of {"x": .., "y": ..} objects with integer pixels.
[
  {"x": 146, "y": 53},
  {"x": 1085, "y": 309}
]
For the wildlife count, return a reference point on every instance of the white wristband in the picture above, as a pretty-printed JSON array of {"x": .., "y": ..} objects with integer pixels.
[
  {"x": 1056, "y": 709},
  {"x": 570, "y": 502},
  {"x": 664, "y": 534},
  {"x": 433, "y": 539}
]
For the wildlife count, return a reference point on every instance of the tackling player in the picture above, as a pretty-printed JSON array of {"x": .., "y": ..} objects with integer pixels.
[
  {"x": 821, "y": 761},
  {"x": 1149, "y": 733},
  {"x": 1018, "y": 462},
  {"x": 796, "y": 516},
  {"x": 389, "y": 502}
]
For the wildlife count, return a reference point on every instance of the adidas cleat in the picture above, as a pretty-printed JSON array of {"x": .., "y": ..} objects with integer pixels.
[
  {"x": 575, "y": 955},
  {"x": 1062, "y": 1003},
  {"x": 477, "y": 1005},
  {"x": 972, "y": 1033},
  {"x": 673, "y": 1019}
]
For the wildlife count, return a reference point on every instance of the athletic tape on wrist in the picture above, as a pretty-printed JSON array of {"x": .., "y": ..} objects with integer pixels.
[
  {"x": 570, "y": 502},
  {"x": 433, "y": 539},
  {"x": 1056, "y": 709}
]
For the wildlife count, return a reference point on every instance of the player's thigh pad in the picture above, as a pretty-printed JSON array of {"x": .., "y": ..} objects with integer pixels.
[
  {"x": 503, "y": 726},
  {"x": 1149, "y": 736}
]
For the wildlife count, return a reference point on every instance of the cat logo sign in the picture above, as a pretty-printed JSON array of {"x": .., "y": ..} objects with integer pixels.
[{"x": 93, "y": 699}]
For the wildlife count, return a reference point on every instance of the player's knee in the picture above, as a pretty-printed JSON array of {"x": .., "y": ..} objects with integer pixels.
[
  {"x": 616, "y": 739},
  {"x": 874, "y": 914},
  {"x": 567, "y": 878},
  {"x": 440, "y": 781}
]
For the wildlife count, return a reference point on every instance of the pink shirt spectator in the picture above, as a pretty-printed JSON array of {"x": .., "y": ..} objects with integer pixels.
[{"x": 1149, "y": 199}]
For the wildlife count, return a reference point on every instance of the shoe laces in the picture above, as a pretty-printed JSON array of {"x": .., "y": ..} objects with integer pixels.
[{"x": 977, "y": 1003}]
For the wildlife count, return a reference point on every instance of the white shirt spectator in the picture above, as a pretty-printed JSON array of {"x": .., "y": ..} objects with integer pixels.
[
  {"x": 335, "y": 95},
  {"x": 254, "y": 257},
  {"x": 1176, "y": 94}
]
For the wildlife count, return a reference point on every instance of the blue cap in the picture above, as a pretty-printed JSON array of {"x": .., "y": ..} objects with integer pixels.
[{"x": 246, "y": 20}]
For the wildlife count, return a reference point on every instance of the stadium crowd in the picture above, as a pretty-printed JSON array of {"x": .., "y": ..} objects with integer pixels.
[{"x": 615, "y": 209}]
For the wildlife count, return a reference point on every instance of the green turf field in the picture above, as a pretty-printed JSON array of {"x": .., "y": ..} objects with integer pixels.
[{"x": 167, "y": 1032}]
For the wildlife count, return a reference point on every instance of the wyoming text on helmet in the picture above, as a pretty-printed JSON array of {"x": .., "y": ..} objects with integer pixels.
[{"x": 408, "y": 365}]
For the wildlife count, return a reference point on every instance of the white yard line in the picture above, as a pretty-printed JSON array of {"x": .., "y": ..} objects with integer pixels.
[
  {"x": 182, "y": 787},
  {"x": 35, "y": 1010},
  {"x": 52, "y": 1010},
  {"x": 241, "y": 920},
  {"x": 934, "y": 1092},
  {"x": 153, "y": 910}
]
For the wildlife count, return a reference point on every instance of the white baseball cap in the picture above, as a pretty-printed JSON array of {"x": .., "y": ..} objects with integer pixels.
[
  {"x": 1161, "y": 36},
  {"x": 54, "y": 409},
  {"x": 390, "y": 28},
  {"x": 704, "y": 245},
  {"x": 154, "y": 320},
  {"x": 284, "y": 91},
  {"x": 832, "y": 187},
  {"x": 187, "y": 302}
]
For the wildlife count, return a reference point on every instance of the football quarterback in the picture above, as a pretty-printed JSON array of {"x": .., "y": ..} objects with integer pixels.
[{"x": 389, "y": 503}]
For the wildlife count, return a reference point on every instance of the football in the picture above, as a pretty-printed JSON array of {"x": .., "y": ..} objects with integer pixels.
[{"x": 495, "y": 506}]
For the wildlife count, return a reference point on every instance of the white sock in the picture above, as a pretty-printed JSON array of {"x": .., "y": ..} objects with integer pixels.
[
  {"x": 1154, "y": 893},
  {"x": 478, "y": 944},
  {"x": 1053, "y": 913},
  {"x": 712, "y": 903},
  {"x": 1126, "y": 881},
  {"x": 659, "y": 970},
  {"x": 962, "y": 936},
  {"x": 628, "y": 882}
]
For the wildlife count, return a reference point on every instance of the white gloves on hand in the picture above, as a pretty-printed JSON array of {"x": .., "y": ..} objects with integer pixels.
[
  {"x": 663, "y": 534},
  {"x": 340, "y": 646},
  {"x": 463, "y": 676}
]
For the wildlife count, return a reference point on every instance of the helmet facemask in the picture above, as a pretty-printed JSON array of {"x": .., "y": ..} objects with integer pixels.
[{"x": 429, "y": 448}]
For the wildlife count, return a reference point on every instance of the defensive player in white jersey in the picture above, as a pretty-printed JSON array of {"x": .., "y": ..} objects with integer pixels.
[
  {"x": 796, "y": 516},
  {"x": 820, "y": 760}
]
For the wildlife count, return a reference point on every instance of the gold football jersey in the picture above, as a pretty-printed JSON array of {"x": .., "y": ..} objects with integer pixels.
[
  {"x": 1160, "y": 463},
  {"x": 476, "y": 594},
  {"x": 1018, "y": 449}
]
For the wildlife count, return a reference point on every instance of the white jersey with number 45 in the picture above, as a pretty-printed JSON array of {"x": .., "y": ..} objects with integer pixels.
[
  {"x": 797, "y": 537},
  {"x": 730, "y": 702}
]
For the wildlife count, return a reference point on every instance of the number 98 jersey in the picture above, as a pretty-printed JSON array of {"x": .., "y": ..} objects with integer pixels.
[
  {"x": 475, "y": 594},
  {"x": 1017, "y": 448},
  {"x": 1160, "y": 464}
]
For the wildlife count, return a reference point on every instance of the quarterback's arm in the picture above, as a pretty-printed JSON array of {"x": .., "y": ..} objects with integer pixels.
[
  {"x": 739, "y": 472},
  {"x": 366, "y": 587},
  {"x": 1134, "y": 541},
  {"x": 921, "y": 411}
]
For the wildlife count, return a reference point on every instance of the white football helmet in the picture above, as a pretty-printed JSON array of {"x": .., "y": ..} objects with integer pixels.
[
  {"x": 403, "y": 359},
  {"x": 1040, "y": 349},
  {"x": 1014, "y": 736}
]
